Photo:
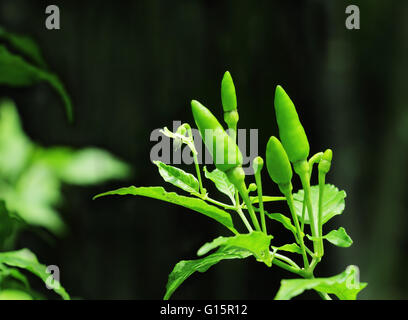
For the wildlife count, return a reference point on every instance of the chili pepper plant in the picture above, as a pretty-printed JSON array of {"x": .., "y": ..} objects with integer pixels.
[{"x": 309, "y": 208}]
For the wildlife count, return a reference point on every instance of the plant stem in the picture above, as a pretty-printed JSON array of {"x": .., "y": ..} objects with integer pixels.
[
  {"x": 322, "y": 177},
  {"x": 302, "y": 170},
  {"x": 261, "y": 207},
  {"x": 289, "y": 200},
  {"x": 244, "y": 194},
  {"x": 218, "y": 203},
  {"x": 287, "y": 267},
  {"x": 197, "y": 167}
]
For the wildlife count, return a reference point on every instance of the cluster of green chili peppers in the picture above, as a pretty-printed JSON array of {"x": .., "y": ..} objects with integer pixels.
[{"x": 292, "y": 150}]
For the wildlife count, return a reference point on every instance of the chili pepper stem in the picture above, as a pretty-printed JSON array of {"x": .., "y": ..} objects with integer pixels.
[
  {"x": 261, "y": 206},
  {"x": 237, "y": 177},
  {"x": 322, "y": 179},
  {"x": 244, "y": 194},
  {"x": 289, "y": 200},
  {"x": 302, "y": 170}
]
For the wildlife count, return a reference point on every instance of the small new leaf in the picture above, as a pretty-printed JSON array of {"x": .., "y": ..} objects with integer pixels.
[
  {"x": 178, "y": 177},
  {"x": 293, "y": 247},
  {"x": 221, "y": 182},
  {"x": 339, "y": 238}
]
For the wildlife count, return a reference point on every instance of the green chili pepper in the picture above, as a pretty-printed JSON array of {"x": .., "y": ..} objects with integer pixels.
[
  {"x": 278, "y": 165},
  {"x": 224, "y": 150},
  {"x": 221, "y": 145},
  {"x": 325, "y": 162},
  {"x": 228, "y": 96},
  {"x": 291, "y": 131},
  {"x": 280, "y": 171},
  {"x": 229, "y": 103}
]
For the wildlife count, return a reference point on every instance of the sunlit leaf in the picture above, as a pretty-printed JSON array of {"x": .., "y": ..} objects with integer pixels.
[
  {"x": 221, "y": 182},
  {"x": 186, "y": 268},
  {"x": 17, "y": 72},
  {"x": 345, "y": 285},
  {"x": 339, "y": 238},
  {"x": 195, "y": 204},
  {"x": 178, "y": 177},
  {"x": 333, "y": 202},
  {"x": 255, "y": 242},
  {"x": 25, "y": 259}
]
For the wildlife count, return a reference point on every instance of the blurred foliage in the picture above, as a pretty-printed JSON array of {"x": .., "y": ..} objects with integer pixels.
[
  {"x": 16, "y": 71},
  {"x": 31, "y": 176}
]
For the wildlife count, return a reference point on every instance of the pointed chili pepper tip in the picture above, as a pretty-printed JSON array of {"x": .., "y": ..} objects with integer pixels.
[
  {"x": 228, "y": 95},
  {"x": 328, "y": 155}
]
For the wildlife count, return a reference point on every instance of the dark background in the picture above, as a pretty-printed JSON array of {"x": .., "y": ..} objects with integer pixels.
[{"x": 133, "y": 66}]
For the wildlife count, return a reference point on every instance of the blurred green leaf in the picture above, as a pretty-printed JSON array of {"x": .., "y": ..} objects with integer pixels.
[
  {"x": 186, "y": 268},
  {"x": 221, "y": 182},
  {"x": 333, "y": 202},
  {"x": 25, "y": 259},
  {"x": 6, "y": 271},
  {"x": 15, "y": 147},
  {"x": 178, "y": 177},
  {"x": 24, "y": 45},
  {"x": 16, "y": 72},
  {"x": 24, "y": 167},
  {"x": 345, "y": 285},
  {"x": 12, "y": 294},
  {"x": 159, "y": 193},
  {"x": 9, "y": 225},
  {"x": 339, "y": 238},
  {"x": 84, "y": 167},
  {"x": 255, "y": 242}
]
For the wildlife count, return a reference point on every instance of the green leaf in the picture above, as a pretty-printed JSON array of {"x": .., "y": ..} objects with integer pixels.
[
  {"x": 339, "y": 238},
  {"x": 285, "y": 221},
  {"x": 12, "y": 294},
  {"x": 186, "y": 268},
  {"x": 6, "y": 271},
  {"x": 178, "y": 177},
  {"x": 345, "y": 285},
  {"x": 9, "y": 225},
  {"x": 333, "y": 202},
  {"x": 255, "y": 242},
  {"x": 195, "y": 204},
  {"x": 83, "y": 167},
  {"x": 25, "y": 259},
  {"x": 33, "y": 204},
  {"x": 24, "y": 45},
  {"x": 15, "y": 146},
  {"x": 16, "y": 72},
  {"x": 221, "y": 182},
  {"x": 293, "y": 247}
]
